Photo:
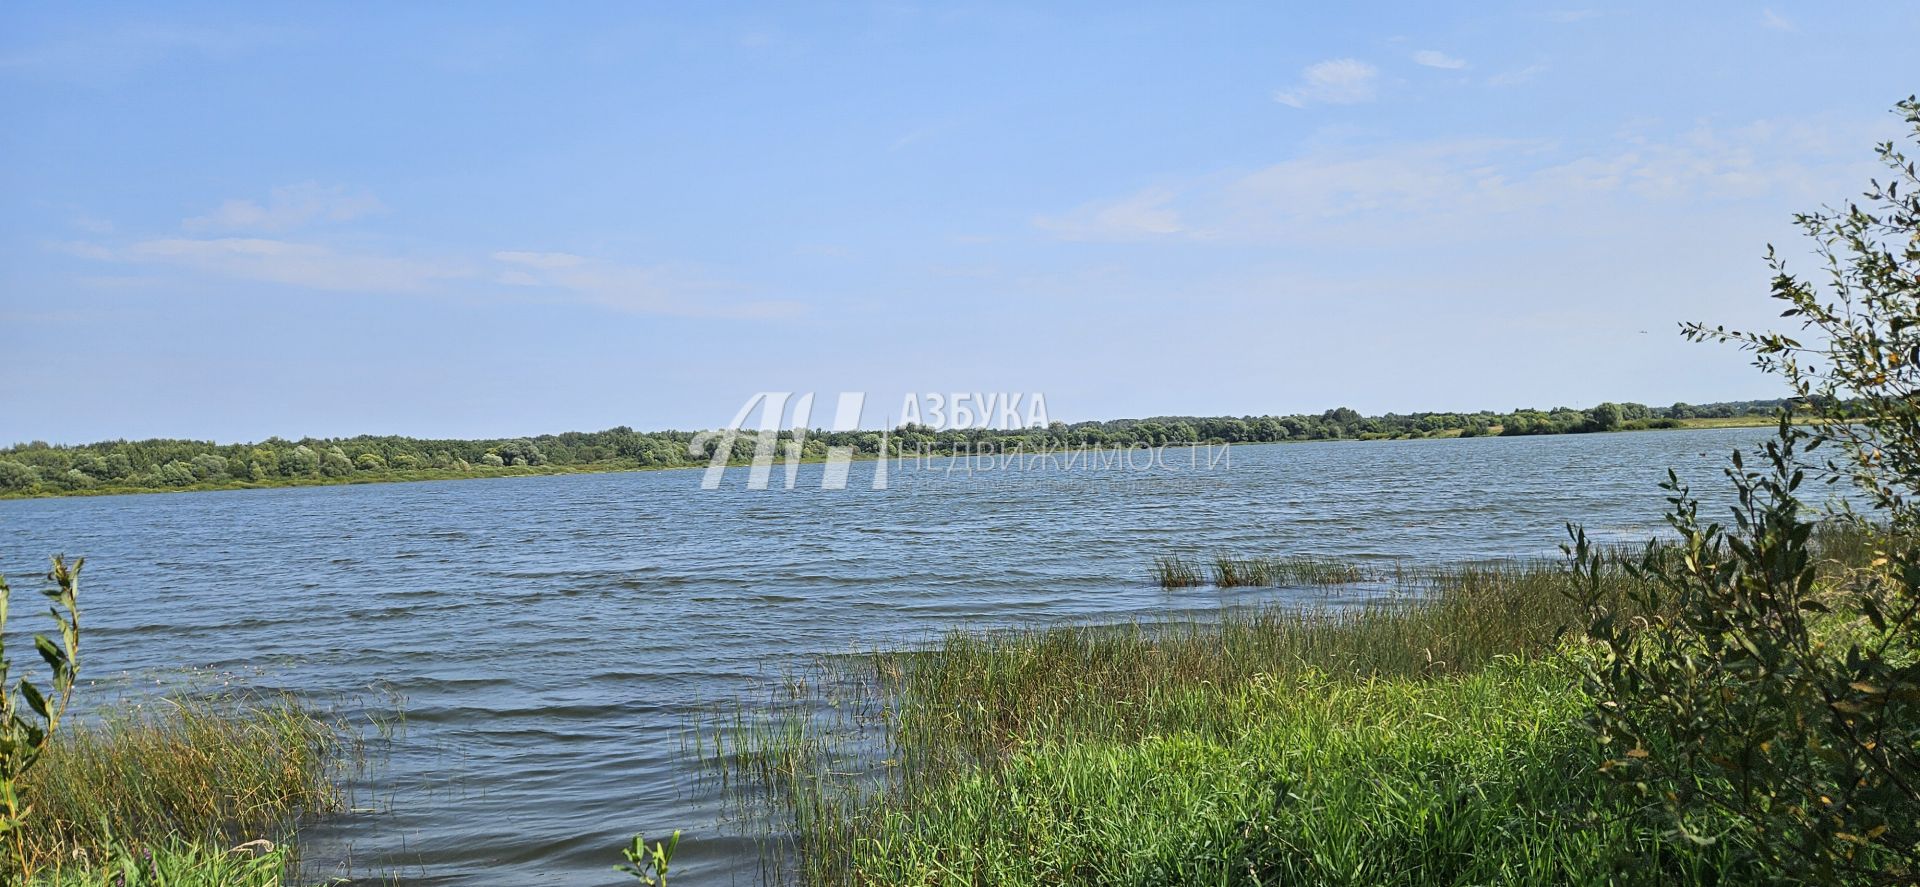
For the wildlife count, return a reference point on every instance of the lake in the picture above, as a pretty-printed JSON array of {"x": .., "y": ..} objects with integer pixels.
[{"x": 551, "y": 636}]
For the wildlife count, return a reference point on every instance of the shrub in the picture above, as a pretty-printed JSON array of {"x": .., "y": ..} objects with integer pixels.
[
  {"x": 15, "y": 476},
  {"x": 1753, "y": 705},
  {"x": 208, "y": 466}
]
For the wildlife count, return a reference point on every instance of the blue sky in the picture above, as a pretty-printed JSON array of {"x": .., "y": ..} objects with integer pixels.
[{"x": 235, "y": 221}]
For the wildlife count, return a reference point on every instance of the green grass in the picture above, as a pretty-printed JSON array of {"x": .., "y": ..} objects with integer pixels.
[
  {"x": 1432, "y": 737},
  {"x": 1120, "y": 754},
  {"x": 212, "y": 772},
  {"x": 1232, "y": 572},
  {"x": 1322, "y": 780},
  {"x": 177, "y": 864}
]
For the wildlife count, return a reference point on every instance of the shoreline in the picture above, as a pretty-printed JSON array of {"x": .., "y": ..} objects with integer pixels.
[{"x": 430, "y": 475}]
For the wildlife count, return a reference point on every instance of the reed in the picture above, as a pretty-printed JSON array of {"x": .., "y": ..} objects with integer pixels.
[
  {"x": 1432, "y": 735},
  {"x": 1175, "y": 571},
  {"x": 866, "y": 769},
  {"x": 145, "y": 777},
  {"x": 1232, "y": 572}
]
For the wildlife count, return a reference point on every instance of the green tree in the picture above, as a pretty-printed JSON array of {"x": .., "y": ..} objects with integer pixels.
[
  {"x": 520, "y": 452},
  {"x": 301, "y": 461},
  {"x": 119, "y": 467},
  {"x": 1606, "y": 417},
  {"x": 208, "y": 466},
  {"x": 15, "y": 476},
  {"x": 172, "y": 474},
  {"x": 334, "y": 463}
]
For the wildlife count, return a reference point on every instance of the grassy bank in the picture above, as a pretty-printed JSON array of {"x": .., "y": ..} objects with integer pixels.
[
  {"x": 1433, "y": 738},
  {"x": 169, "y": 786}
]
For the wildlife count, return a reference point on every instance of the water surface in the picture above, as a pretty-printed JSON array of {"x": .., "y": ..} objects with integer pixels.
[{"x": 551, "y": 635}]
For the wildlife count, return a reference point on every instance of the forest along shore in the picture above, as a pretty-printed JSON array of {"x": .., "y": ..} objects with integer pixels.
[{"x": 39, "y": 469}]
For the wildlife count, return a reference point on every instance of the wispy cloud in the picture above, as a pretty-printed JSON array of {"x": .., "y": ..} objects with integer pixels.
[
  {"x": 1332, "y": 82},
  {"x": 312, "y": 263},
  {"x": 114, "y": 53},
  {"x": 288, "y": 207},
  {"x": 1441, "y": 188},
  {"x": 555, "y": 277},
  {"x": 1434, "y": 58},
  {"x": 307, "y": 265},
  {"x": 546, "y": 261},
  {"x": 1775, "y": 21},
  {"x": 1517, "y": 76},
  {"x": 633, "y": 288},
  {"x": 1135, "y": 217}
]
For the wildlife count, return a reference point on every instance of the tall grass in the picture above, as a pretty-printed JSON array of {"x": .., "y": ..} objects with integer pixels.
[
  {"x": 868, "y": 764},
  {"x": 1176, "y": 571},
  {"x": 1431, "y": 736},
  {"x": 1232, "y": 572},
  {"x": 177, "y": 864},
  {"x": 212, "y": 771}
]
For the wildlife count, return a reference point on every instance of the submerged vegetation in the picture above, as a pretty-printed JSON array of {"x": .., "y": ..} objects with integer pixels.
[{"x": 41, "y": 469}]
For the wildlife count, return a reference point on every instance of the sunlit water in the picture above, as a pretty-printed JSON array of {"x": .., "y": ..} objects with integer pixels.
[{"x": 552, "y": 635}]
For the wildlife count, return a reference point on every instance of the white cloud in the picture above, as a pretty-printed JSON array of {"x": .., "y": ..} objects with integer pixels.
[
  {"x": 1434, "y": 58},
  {"x": 631, "y": 288},
  {"x": 1775, "y": 21},
  {"x": 536, "y": 276},
  {"x": 288, "y": 207},
  {"x": 539, "y": 260},
  {"x": 81, "y": 249},
  {"x": 1134, "y": 217},
  {"x": 308, "y": 265},
  {"x": 1457, "y": 188},
  {"x": 1516, "y": 77},
  {"x": 1332, "y": 82}
]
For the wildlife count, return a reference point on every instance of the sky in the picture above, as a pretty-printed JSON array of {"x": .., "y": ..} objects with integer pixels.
[{"x": 231, "y": 221}]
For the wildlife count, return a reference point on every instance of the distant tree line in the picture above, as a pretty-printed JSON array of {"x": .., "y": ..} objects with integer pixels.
[{"x": 42, "y": 468}]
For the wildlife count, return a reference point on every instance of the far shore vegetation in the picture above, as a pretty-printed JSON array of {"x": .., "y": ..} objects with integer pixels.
[{"x": 40, "y": 469}]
